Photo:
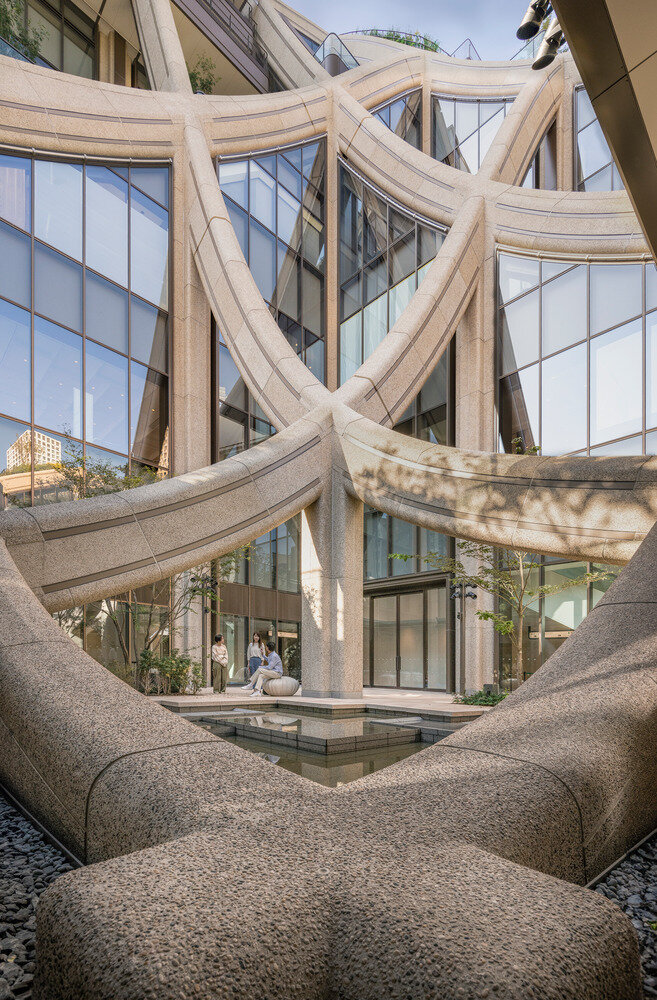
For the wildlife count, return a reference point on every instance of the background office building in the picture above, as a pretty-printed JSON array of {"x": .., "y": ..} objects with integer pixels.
[{"x": 102, "y": 365}]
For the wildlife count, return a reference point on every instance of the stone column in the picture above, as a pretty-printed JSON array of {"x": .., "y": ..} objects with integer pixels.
[
  {"x": 476, "y": 430},
  {"x": 332, "y": 595}
]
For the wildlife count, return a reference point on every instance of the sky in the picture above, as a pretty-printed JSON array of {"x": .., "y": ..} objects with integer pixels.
[{"x": 491, "y": 26}]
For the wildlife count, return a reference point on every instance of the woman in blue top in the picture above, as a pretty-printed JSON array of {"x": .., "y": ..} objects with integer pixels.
[{"x": 255, "y": 654}]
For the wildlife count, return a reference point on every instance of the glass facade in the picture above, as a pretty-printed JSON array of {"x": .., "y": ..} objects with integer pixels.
[
  {"x": 403, "y": 116},
  {"x": 384, "y": 254},
  {"x": 595, "y": 169},
  {"x": 68, "y": 39},
  {"x": 577, "y": 355},
  {"x": 542, "y": 171},
  {"x": 406, "y": 642},
  {"x": 551, "y": 619},
  {"x": 464, "y": 128},
  {"x": 276, "y": 205},
  {"x": 84, "y": 292}
]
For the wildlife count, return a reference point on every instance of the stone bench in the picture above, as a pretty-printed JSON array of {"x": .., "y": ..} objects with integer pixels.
[{"x": 281, "y": 687}]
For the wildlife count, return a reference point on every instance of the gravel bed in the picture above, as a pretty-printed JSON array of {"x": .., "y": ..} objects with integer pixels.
[
  {"x": 633, "y": 886},
  {"x": 28, "y": 865}
]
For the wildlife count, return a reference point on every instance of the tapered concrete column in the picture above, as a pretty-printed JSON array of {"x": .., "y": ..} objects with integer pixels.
[{"x": 332, "y": 595}]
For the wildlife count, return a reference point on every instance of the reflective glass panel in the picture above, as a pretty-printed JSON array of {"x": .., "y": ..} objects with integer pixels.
[
  {"x": 232, "y": 433},
  {"x": 651, "y": 286},
  {"x": 263, "y": 196},
  {"x": 376, "y": 544},
  {"x": 153, "y": 181},
  {"x": 615, "y": 294},
  {"x": 520, "y": 332},
  {"x": 148, "y": 334},
  {"x": 400, "y": 296},
  {"x": 16, "y": 190},
  {"x": 629, "y": 446},
  {"x": 15, "y": 254},
  {"x": 234, "y": 181},
  {"x": 564, "y": 402},
  {"x": 516, "y": 275},
  {"x": 592, "y": 150},
  {"x": 564, "y": 310},
  {"x": 106, "y": 224},
  {"x": 437, "y": 637},
  {"x": 313, "y": 301},
  {"x": 58, "y": 287},
  {"x": 57, "y": 378},
  {"x": 15, "y": 361},
  {"x": 106, "y": 312},
  {"x": 231, "y": 388},
  {"x": 651, "y": 370},
  {"x": 58, "y": 205},
  {"x": 384, "y": 627},
  {"x": 585, "y": 112},
  {"x": 411, "y": 640},
  {"x": 350, "y": 347},
  {"x": 375, "y": 324},
  {"x": 106, "y": 398},
  {"x": 148, "y": 413},
  {"x": 403, "y": 543},
  {"x": 240, "y": 223},
  {"x": 519, "y": 409},
  {"x": 149, "y": 249},
  {"x": 263, "y": 260},
  {"x": 15, "y": 464},
  {"x": 616, "y": 383},
  {"x": 289, "y": 218}
]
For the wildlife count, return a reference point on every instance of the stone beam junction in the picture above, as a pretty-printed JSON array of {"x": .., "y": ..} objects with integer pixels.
[{"x": 458, "y": 872}]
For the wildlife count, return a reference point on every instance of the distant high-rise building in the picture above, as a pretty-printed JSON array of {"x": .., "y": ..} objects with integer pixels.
[{"x": 47, "y": 450}]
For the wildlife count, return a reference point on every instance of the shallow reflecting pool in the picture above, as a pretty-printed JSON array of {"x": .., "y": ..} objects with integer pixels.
[{"x": 329, "y": 769}]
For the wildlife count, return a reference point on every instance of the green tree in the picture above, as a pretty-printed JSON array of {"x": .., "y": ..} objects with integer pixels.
[
  {"x": 510, "y": 577},
  {"x": 15, "y": 29},
  {"x": 203, "y": 75}
]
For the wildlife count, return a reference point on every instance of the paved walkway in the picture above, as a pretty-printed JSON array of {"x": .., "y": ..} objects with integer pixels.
[{"x": 427, "y": 703}]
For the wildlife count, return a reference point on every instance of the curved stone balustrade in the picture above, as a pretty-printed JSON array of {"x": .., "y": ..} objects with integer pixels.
[{"x": 439, "y": 876}]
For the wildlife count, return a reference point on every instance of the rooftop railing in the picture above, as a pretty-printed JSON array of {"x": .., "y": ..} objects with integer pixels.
[
  {"x": 466, "y": 50},
  {"x": 334, "y": 55}
]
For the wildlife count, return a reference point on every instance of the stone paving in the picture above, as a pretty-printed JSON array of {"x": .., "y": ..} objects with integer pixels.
[{"x": 28, "y": 865}]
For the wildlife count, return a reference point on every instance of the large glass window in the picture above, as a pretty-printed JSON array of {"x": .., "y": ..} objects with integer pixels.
[
  {"x": 464, "y": 129},
  {"x": 68, "y": 41},
  {"x": 276, "y": 205},
  {"x": 595, "y": 167},
  {"x": 403, "y": 116},
  {"x": 83, "y": 344},
  {"x": 383, "y": 255},
  {"x": 571, "y": 344}
]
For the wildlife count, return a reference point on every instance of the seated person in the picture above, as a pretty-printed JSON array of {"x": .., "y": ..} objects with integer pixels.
[{"x": 271, "y": 668}]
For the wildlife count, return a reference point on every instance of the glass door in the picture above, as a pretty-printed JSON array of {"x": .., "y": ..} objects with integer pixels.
[
  {"x": 405, "y": 639},
  {"x": 384, "y": 641},
  {"x": 410, "y": 640}
]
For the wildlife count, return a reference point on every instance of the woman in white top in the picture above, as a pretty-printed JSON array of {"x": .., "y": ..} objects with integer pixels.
[{"x": 255, "y": 654}]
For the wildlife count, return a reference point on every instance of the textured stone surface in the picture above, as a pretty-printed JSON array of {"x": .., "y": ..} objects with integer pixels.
[
  {"x": 438, "y": 877},
  {"x": 284, "y": 687}
]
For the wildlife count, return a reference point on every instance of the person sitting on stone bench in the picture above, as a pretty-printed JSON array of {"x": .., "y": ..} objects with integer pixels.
[{"x": 272, "y": 667}]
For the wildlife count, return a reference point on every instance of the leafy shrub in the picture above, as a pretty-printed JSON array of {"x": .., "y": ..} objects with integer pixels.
[{"x": 480, "y": 698}]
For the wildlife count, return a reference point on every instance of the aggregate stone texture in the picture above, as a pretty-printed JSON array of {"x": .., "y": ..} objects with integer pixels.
[{"x": 28, "y": 865}]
